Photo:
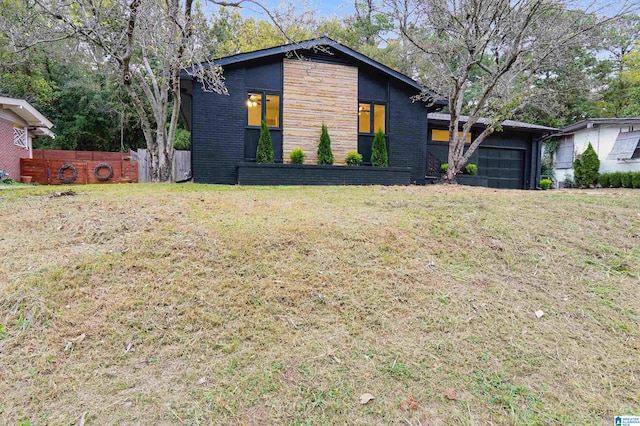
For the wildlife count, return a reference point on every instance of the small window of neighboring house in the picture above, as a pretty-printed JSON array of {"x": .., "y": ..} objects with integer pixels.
[
  {"x": 564, "y": 154},
  {"x": 626, "y": 147},
  {"x": 21, "y": 137}
]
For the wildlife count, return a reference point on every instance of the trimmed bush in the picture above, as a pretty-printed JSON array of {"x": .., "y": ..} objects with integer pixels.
[
  {"x": 626, "y": 179},
  {"x": 183, "y": 140},
  {"x": 325, "y": 156},
  {"x": 635, "y": 180},
  {"x": 353, "y": 159},
  {"x": 545, "y": 184},
  {"x": 585, "y": 168},
  {"x": 379, "y": 156},
  {"x": 471, "y": 169},
  {"x": 444, "y": 167},
  {"x": 604, "y": 180},
  {"x": 264, "y": 153},
  {"x": 615, "y": 179},
  {"x": 297, "y": 156}
]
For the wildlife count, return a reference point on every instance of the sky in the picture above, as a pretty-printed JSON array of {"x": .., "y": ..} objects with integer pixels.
[
  {"x": 339, "y": 8},
  {"x": 324, "y": 8}
]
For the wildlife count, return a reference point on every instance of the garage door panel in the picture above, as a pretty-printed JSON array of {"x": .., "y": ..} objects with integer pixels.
[{"x": 504, "y": 167}]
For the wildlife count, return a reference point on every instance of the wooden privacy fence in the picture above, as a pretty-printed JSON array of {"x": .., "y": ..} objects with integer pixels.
[
  {"x": 181, "y": 164},
  {"x": 79, "y": 167}
]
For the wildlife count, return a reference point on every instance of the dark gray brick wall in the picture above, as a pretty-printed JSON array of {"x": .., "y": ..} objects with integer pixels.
[
  {"x": 291, "y": 174},
  {"x": 407, "y": 133},
  {"x": 218, "y": 125}
]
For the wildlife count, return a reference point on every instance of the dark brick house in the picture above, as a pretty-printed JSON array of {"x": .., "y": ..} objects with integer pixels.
[{"x": 295, "y": 89}]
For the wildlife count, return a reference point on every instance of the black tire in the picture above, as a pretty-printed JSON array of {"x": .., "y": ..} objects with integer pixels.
[
  {"x": 96, "y": 171},
  {"x": 61, "y": 171}
]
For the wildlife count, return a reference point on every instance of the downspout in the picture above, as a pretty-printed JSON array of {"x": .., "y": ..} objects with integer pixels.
[{"x": 537, "y": 164}]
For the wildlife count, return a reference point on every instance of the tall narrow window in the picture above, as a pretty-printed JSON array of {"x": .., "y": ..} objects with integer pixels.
[
  {"x": 273, "y": 111},
  {"x": 378, "y": 118},
  {"x": 254, "y": 109},
  {"x": 364, "y": 118}
]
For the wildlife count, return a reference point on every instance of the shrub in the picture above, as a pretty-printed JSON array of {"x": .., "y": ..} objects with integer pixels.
[
  {"x": 264, "y": 153},
  {"x": 379, "y": 156},
  {"x": 183, "y": 140},
  {"x": 325, "y": 156},
  {"x": 471, "y": 169},
  {"x": 585, "y": 168},
  {"x": 444, "y": 167},
  {"x": 568, "y": 182},
  {"x": 615, "y": 179},
  {"x": 604, "y": 180},
  {"x": 626, "y": 179},
  {"x": 353, "y": 159},
  {"x": 545, "y": 183},
  {"x": 297, "y": 156},
  {"x": 635, "y": 180}
]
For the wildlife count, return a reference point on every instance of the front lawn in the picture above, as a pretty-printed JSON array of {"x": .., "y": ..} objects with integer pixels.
[{"x": 195, "y": 304}]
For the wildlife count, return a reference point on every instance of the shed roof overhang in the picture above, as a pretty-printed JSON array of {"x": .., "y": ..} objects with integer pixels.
[{"x": 438, "y": 117}]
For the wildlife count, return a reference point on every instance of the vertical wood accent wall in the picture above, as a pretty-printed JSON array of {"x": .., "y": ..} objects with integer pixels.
[{"x": 315, "y": 93}]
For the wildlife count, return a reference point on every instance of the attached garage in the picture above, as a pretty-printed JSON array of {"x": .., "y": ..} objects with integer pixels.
[
  {"x": 509, "y": 159},
  {"x": 503, "y": 167}
]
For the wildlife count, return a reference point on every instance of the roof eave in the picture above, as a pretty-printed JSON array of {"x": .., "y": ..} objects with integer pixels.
[
  {"x": 310, "y": 44},
  {"x": 26, "y": 111}
]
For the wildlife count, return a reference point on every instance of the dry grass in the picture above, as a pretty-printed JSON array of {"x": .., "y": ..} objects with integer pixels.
[{"x": 193, "y": 304}]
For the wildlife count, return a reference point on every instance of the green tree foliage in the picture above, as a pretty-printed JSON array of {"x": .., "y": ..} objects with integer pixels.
[
  {"x": 585, "y": 168},
  {"x": 183, "y": 140},
  {"x": 87, "y": 109},
  {"x": 325, "y": 156},
  {"x": 379, "y": 156},
  {"x": 264, "y": 153}
]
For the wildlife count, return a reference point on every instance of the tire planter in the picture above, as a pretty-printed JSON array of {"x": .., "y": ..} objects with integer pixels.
[
  {"x": 61, "y": 171},
  {"x": 96, "y": 171}
]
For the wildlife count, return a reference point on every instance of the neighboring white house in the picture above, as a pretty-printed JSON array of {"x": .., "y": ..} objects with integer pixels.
[{"x": 615, "y": 140}]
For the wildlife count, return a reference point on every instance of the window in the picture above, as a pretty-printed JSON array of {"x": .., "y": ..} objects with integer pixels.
[
  {"x": 364, "y": 118},
  {"x": 378, "y": 118},
  {"x": 20, "y": 137},
  {"x": 261, "y": 106},
  {"x": 564, "y": 154},
  {"x": 626, "y": 147},
  {"x": 440, "y": 135},
  {"x": 371, "y": 123}
]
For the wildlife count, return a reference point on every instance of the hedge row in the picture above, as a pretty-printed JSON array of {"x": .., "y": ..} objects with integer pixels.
[{"x": 620, "y": 180}]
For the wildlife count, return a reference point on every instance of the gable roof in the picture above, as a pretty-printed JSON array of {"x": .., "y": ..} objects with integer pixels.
[
  {"x": 319, "y": 42},
  {"x": 23, "y": 109},
  {"x": 591, "y": 122},
  {"x": 438, "y": 116}
]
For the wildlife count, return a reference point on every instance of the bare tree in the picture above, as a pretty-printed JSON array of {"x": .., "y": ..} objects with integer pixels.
[
  {"x": 147, "y": 42},
  {"x": 485, "y": 56}
]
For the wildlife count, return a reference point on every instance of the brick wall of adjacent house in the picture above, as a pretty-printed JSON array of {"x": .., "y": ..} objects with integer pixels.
[{"x": 10, "y": 154}]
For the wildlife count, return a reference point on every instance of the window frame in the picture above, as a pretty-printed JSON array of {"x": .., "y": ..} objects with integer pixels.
[
  {"x": 564, "y": 165},
  {"x": 263, "y": 107},
  {"x": 467, "y": 141},
  {"x": 372, "y": 104}
]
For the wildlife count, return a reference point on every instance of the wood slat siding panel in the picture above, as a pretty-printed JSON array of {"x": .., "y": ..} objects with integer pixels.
[{"x": 316, "y": 93}]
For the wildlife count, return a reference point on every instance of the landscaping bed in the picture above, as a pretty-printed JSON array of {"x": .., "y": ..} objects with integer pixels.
[{"x": 309, "y": 174}]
